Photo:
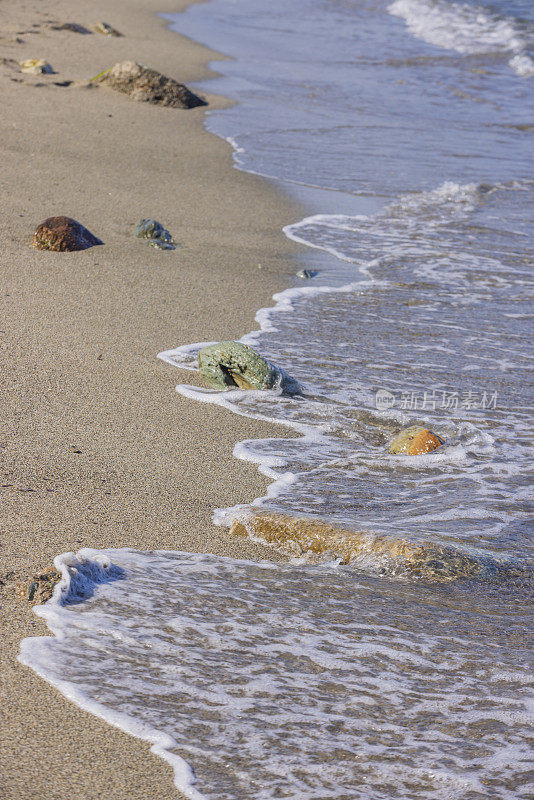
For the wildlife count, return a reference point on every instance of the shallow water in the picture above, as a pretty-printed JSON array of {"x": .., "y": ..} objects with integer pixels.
[
  {"x": 406, "y": 127},
  {"x": 296, "y": 681}
]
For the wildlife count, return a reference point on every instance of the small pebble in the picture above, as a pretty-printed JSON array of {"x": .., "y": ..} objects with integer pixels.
[
  {"x": 36, "y": 66},
  {"x": 107, "y": 30}
]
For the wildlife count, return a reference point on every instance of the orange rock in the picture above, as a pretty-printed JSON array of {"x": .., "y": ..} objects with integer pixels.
[{"x": 415, "y": 441}]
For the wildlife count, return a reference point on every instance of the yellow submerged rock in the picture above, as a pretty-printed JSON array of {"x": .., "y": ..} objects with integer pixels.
[
  {"x": 415, "y": 441},
  {"x": 300, "y": 536},
  {"x": 35, "y": 66}
]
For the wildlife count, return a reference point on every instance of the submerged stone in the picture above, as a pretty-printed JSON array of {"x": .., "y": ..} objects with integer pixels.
[
  {"x": 36, "y": 66},
  {"x": 63, "y": 234},
  {"x": 236, "y": 365},
  {"x": 415, "y": 441},
  {"x": 158, "y": 236},
  {"x": 307, "y": 274},
  {"x": 146, "y": 85},
  {"x": 107, "y": 30},
  {"x": 40, "y": 587},
  {"x": 300, "y": 536}
]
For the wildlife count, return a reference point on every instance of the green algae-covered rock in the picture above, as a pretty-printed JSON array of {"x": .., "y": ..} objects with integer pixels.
[
  {"x": 235, "y": 365},
  {"x": 415, "y": 441}
]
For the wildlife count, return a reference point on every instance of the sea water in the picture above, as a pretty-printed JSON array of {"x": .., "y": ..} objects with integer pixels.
[{"x": 406, "y": 128}]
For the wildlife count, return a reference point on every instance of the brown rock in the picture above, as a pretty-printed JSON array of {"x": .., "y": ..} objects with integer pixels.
[
  {"x": 415, "y": 441},
  {"x": 300, "y": 536},
  {"x": 40, "y": 587},
  {"x": 149, "y": 86},
  {"x": 62, "y": 234}
]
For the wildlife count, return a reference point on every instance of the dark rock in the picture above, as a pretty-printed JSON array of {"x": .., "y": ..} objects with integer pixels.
[
  {"x": 71, "y": 26},
  {"x": 149, "y": 86},
  {"x": 228, "y": 365},
  {"x": 62, "y": 234},
  {"x": 307, "y": 274}
]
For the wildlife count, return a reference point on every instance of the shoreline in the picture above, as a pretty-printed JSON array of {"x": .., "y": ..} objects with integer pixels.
[{"x": 98, "y": 450}]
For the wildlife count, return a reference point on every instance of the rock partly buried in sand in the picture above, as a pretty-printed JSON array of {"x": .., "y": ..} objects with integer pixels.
[
  {"x": 40, "y": 587},
  {"x": 146, "y": 85},
  {"x": 158, "y": 236},
  {"x": 107, "y": 30},
  {"x": 415, "y": 441},
  {"x": 63, "y": 234},
  {"x": 36, "y": 66},
  {"x": 73, "y": 27},
  {"x": 235, "y": 365},
  {"x": 300, "y": 536}
]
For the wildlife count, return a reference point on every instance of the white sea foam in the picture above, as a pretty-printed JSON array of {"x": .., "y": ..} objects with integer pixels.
[
  {"x": 261, "y": 680},
  {"x": 81, "y": 575},
  {"x": 466, "y": 29}
]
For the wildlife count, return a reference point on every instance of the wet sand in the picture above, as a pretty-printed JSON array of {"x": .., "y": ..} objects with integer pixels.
[{"x": 97, "y": 449}]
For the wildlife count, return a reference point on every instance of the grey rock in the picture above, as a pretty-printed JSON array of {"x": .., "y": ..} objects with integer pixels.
[
  {"x": 147, "y": 85},
  {"x": 158, "y": 236}
]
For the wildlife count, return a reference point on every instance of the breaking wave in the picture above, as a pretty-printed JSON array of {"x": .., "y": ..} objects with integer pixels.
[{"x": 470, "y": 30}]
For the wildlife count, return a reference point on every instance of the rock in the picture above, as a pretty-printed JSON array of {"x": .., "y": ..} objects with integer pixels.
[
  {"x": 40, "y": 587},
  {"x": 71, "y": 26},
  {"x": 36, "y": 66},
  {"x": 158, "y": 236},
  {"x": 415, "y": 441},
  {"x": 300, "y": 536},
  {"x": 235, "y": 365},
  {"x": 62, "y": 234},
  {"x": 307, "y": 274},
  {"x": 149, "y": 86},
  {"x": 107, "y": 30}
]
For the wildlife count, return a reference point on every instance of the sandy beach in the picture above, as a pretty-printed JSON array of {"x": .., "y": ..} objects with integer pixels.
[{"x": 97, "y": 448}]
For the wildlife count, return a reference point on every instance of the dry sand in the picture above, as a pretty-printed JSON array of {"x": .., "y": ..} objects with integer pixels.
[{"x": 80, "y": 333}]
